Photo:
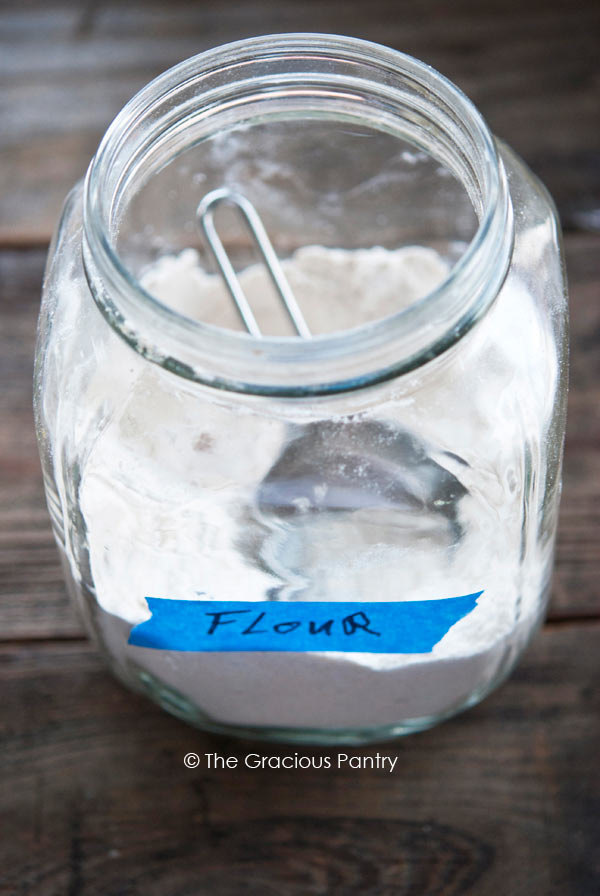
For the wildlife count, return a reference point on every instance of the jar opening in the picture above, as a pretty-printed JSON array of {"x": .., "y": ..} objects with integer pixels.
[{"x": 297, "y": 91}]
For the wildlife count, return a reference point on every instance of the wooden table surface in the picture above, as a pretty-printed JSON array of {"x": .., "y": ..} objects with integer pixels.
[{"x": 95, "y": 798}]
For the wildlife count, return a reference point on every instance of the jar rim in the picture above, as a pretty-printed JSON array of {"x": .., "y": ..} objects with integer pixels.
[{"x": 288, "y": 366}]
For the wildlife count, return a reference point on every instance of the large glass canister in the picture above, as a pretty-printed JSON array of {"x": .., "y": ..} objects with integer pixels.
[{"x": 328, "y": 539}]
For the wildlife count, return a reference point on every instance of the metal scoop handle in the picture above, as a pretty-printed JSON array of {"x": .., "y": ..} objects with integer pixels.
[{"x": 205, "y": 218}]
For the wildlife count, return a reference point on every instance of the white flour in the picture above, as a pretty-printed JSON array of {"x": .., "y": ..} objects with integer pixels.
[{"x": 169, "y": 500}]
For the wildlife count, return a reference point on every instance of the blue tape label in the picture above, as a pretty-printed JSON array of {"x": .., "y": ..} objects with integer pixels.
[{"x": 300, "y": 626}]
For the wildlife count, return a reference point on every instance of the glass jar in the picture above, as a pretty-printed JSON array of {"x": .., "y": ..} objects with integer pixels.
[{"x": 335, "y": 539}]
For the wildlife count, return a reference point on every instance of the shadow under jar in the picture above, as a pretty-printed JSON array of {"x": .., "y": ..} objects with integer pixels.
[{"x": 330, "y": 540}]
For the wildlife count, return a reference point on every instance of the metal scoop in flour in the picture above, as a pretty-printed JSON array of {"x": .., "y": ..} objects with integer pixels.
[{"x": 205, "y": 218}]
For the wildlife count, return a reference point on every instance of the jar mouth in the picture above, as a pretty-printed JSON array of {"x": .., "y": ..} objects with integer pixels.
[{"x": 386, "y": 83}]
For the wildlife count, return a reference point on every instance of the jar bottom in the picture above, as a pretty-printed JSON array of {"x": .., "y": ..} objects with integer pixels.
[
  {"x": 139, "y": 679},
  {"x": 178, "y": 705}
]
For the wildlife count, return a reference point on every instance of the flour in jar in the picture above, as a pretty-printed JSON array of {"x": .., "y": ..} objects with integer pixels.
[{"x": 175, "y": 505}]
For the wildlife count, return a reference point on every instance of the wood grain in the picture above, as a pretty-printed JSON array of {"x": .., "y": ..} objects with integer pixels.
[
  {"x": 94, "y": 796},
  {"x": 67, "y": 69},
  {"x": 503, "y": 799}
]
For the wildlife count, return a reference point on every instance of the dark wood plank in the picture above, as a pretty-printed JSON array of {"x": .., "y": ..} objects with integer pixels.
[
  {"x": 66, "y": 70},
  {"x": 575, "y": 586},
  {"x": 94, "y": 795},
  {"x": 503, "y": 799},
  {"x": 33, "y": 602}
]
